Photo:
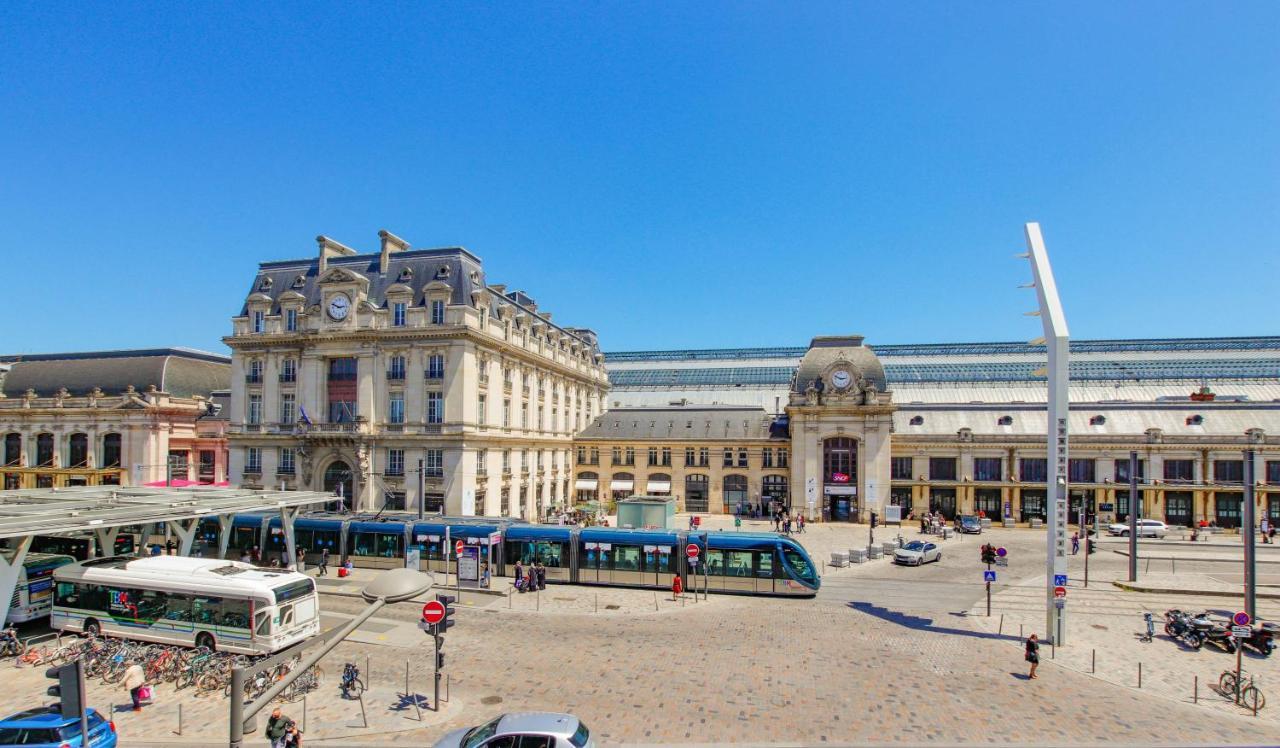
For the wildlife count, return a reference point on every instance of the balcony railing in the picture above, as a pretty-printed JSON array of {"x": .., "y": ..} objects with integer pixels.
[
  {"x": 288, "y": 377},
  {"x": 253, "y": 379},
  {"x": 284, "y": 470},
  {"x": 432, "y": 374},
  {"x": 395, "y": 375}
]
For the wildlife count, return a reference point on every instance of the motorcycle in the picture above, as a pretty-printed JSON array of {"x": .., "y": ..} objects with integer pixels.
[
  {"x": 1217, "y": 633},
  {"x": 1262, "y": 640},
  {"x": 1178, "y": 626}
]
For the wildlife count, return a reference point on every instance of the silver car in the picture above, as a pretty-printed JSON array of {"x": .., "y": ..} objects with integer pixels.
[
  {"x": 1147, "y": 528},
  {"x": 916, "y": 553},
  {"x": 522, "y": 730}
]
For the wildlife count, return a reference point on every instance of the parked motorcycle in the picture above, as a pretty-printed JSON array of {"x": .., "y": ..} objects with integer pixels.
[
  {"x": 1177, "y": 625},
  {"x": 1263, "y": 638},
  {"x": 1217, "y": 633}
]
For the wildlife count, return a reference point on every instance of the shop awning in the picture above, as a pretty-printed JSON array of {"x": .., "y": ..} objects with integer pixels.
[
  {"x": 659, "y": 486},
  {"x": 622, "y": 485},
  {"x": 585, "y": 484}
]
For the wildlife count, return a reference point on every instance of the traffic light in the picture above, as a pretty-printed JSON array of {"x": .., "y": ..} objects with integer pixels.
[
  {"x": 439, "y": 660},
  {"x": 988, "y": 554},
  {"x": 447, "y": 601},
  {"x": 70, "y": 688},
  {"x": 874, "y": 520}
]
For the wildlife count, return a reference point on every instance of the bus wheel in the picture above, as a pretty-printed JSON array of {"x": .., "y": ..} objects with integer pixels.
[
  {"x": 92, "y": 627},
  {"x": 206, "y": 640}
]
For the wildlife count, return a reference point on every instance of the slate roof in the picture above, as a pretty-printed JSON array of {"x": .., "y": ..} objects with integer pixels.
[
  {"x": 681, "y": 423},
  {"x": 825, "y": 351},
  {"x": 415, "y": 268},
  {"x": 180, "y": 372}
]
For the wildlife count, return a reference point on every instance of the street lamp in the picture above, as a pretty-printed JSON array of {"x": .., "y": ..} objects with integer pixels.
[{"x": 391, "y": 586}]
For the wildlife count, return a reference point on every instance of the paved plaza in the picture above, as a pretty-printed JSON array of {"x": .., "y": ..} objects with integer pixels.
[{"x": 884, "y": 655}]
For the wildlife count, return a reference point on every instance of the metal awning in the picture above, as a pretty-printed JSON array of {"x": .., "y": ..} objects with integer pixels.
[
  {"x": 47, "y": 511},
  {"x": 659, "y": 486},
  {"x": 585, "y": 484},
  {"x": 621, "y": 485}
]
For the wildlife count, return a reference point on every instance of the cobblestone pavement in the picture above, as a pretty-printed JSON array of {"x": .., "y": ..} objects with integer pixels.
[{"x": 884, "y": 655}]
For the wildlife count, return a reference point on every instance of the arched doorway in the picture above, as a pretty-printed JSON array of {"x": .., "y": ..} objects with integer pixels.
[
  {"x": 339, "y": 474},
  {"x": 840, "y": 479},
  {"x": 735, "y": 494}
]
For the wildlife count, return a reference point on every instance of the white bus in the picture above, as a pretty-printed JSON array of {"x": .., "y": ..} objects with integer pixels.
[
  {"x": 224, "y": 605},
  {"x": 33, "y": 594}
]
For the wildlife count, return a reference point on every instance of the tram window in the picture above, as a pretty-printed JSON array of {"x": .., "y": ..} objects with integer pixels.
[
  {"x": 658, "y": 562},
  {"x": 764, "y": 565},
  {"x": 715, "y": 563},
  {"x": 381, "y": 544},
  {"x": 594, "y": 558},
  {"x": 738, "y": 563},
  {"x": 549, "y": 553},
  {"x": 626, "y": 557},
  {"x": 316, "y": 541},
  {"x": 244, "y": 537},
  {"x": 799, "y": 564}
]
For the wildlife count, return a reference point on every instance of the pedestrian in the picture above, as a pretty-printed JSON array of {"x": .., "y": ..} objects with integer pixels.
[
  {"x": 800, "y": 522},
  {"x": 302, "y": 559},
  {"x": 293, "y": 736},
  {"x": 324, "y": 563},
  {"x": 1271, "y": 535},
  {"x": 245, "y": 557},
  {"x": 277, "y": 726},
  {"x": 1075, "y": 543},
  {"x": 519, "y": 580},
  {"x": 168, "y": 546},
  {"x": 285, "y": 561},
  {"x": 1033, "y": 654},
  {"x": 541, "y": 572},
  {"x": 134, "y": 680}
]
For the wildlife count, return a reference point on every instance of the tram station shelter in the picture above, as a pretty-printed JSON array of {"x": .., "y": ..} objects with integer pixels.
[
  {"x": 100, "y": 512},
  {"x": 647, "y": 511}
]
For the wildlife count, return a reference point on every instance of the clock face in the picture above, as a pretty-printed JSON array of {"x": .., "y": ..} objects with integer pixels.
[
  {"x": 339, "y": 305},
  {"x": 840, "y": 378}
]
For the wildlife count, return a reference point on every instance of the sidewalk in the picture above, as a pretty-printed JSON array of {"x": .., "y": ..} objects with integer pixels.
[{"x": 1192, "y": 584}]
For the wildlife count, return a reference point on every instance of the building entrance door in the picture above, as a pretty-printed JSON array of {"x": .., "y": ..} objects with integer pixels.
[
  {"x": 696, "y": 494},
  {"x": 1177, "y": 508},
  {"x": 841, "y": 508},
  {"x": 339, "y": 474}
]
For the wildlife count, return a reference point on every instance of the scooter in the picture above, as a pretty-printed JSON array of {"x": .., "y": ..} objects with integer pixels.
[
  {"x": 1178, "y": 626},
  {"x": 1263, "y": 638},
  {"x": 1214, "y": 632}
]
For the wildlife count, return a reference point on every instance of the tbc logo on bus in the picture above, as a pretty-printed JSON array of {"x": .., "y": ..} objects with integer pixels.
[
  {"x": 120, "y": 602},
  {"x": 839, "y": 477}
]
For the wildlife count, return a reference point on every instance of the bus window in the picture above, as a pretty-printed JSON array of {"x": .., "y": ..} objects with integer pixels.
[
  {"x": 67, "y": 594},
  {"x": 235, "y": 614},
  {"x": 205, "y": 610},
  {"x": 150, "y": 605},
  {"x": 262, "y": 626},
  {"x": 178, "y": 608}
]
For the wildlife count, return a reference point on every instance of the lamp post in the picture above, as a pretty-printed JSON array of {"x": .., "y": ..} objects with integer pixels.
[{"x": 391, "y": 586}]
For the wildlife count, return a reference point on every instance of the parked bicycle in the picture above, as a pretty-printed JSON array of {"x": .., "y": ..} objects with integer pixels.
[
  {"x": 1241, "y": 689},
  {"x": 351, "y": 686}
]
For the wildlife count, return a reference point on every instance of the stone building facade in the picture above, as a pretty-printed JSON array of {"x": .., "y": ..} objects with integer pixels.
[
  {"x": 112, "y": 418},
  {"x": 349, "y": 371}
]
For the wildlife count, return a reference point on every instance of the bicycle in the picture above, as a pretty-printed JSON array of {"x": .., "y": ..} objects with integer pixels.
[{"x": 1243, "y": 691}]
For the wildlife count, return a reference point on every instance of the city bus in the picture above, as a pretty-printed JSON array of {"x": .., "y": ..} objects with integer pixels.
[
  {"x": 194, "y": 602},
  {"x": 33, "y": 594}
]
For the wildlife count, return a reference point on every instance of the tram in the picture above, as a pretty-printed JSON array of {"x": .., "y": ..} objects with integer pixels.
[{"x": 728, "y": 562}]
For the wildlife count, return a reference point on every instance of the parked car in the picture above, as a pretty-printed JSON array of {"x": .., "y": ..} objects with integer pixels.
[
  {"x": 522, "y": 730},
  {"x": 1147, "y": 528},
  {"x": 45, "y": 726},
  {"x": 917, "y": 552},
  {"x": 969, "y": 524}
]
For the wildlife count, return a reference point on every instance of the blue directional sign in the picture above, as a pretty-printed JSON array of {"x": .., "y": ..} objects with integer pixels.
[
  {"x": 988, "y": 576},
  {"x": 1059, "y": 580}
]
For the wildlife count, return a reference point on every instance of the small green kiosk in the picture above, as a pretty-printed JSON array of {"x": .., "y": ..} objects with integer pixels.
[{"x": 647, "y": 512}]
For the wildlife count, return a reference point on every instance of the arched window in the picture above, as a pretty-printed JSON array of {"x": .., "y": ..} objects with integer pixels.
[
  {"x": 658, "y": 483},
  {"x": 13, "y": 448},
  {"x": 111, "y": 451},
  {"x": 78, "y": 450},
  {"x": 622, "y": 485},
  {"x": 44, "y": 450},
  {"x": 735, "y": 494}
]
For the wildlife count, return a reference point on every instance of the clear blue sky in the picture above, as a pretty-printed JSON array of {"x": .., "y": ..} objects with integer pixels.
[{"x": 669, "y": 174}]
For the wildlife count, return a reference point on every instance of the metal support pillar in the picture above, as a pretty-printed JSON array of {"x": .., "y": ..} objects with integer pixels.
[
  {"x": 287, "y": 516},
  {"x": 1246, "y": 534},
  {"x": 1056, "y": 338},
  {"x": 1135, "y": 506},
  {"x": 9, "y": 570},
  {"x": 185, "y": 529},
  {"x": 224, "y": 533},
  {"x": 107, "y": 540}
]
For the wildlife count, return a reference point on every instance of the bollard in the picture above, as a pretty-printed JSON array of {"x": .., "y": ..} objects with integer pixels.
[
  {"x": 655, "y": 601},
  {"x": 1001, "y": 629},
  {"x": 368, "y": 671},
  {"x": 304, "y": 712},
  {"x": 597, "y": 610},
  {"x": 447, "y": 680},
  {"x": 179, "y": 732},
  {"x": 509, "y": 595},
  {"x": 1093, "y": 660},
  {"x": 537, "y": 596},
  {"x": 1139, "y": 675},
  {"x": 1053, "y": 649},
  {"x": 1174, "y": 563},
  {"x": 1019, "y": 630},
  {"x": 1195, "y": 690}
]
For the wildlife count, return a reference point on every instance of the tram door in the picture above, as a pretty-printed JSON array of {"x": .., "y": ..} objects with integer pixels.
[
  {"x": 659, "y": 568},
  {"x": 596, "y": 563}
]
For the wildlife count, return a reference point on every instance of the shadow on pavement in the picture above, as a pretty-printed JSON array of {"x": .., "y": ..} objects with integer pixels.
[{"x": 923, "y": 624}]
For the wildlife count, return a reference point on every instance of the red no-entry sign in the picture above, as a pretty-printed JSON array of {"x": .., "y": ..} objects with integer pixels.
[
  {"x": 433, "y": 612},
  {"x": 691, "y": 550},
  {"x": 458, "y": 546},
  {"x": 1059, "y": 591}
]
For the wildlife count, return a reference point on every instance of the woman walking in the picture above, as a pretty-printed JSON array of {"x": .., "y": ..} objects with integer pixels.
[{"x": 1033, "y": 654}]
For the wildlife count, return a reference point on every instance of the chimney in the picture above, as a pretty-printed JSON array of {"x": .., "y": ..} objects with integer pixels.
[
  {"x": 330, "y": 248},
  {"x": 390, "y": 243},
  {"x": 499, "y": 288}
]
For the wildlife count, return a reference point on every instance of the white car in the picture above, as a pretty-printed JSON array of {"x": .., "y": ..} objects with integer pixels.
[
  {"x": 1147, "y": 528},
  {"x": 522, "y": 730},
  {"x": 917, "y": 552}
]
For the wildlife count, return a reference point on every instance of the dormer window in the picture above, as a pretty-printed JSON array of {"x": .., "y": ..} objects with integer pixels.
[
  {"x": 300, "y": 281},
  {"x": 1196, "y": 420},
  {"x": 264, "y": 285},
  {"x": 1004, "y": 421},
  {"x": 917, "y": 420},
  {"x": 406, "y": 275},
  {"x": 1098, "y": 421},
  {"x": 442, "y": 273}
]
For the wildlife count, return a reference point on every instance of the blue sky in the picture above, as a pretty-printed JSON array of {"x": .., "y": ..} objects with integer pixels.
[{"x": 669, "y": 174}]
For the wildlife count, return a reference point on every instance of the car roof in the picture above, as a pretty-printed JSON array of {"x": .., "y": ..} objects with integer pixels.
[
  {"x": 41, "y": 716},
  {"x": 549, "y": 723}
]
